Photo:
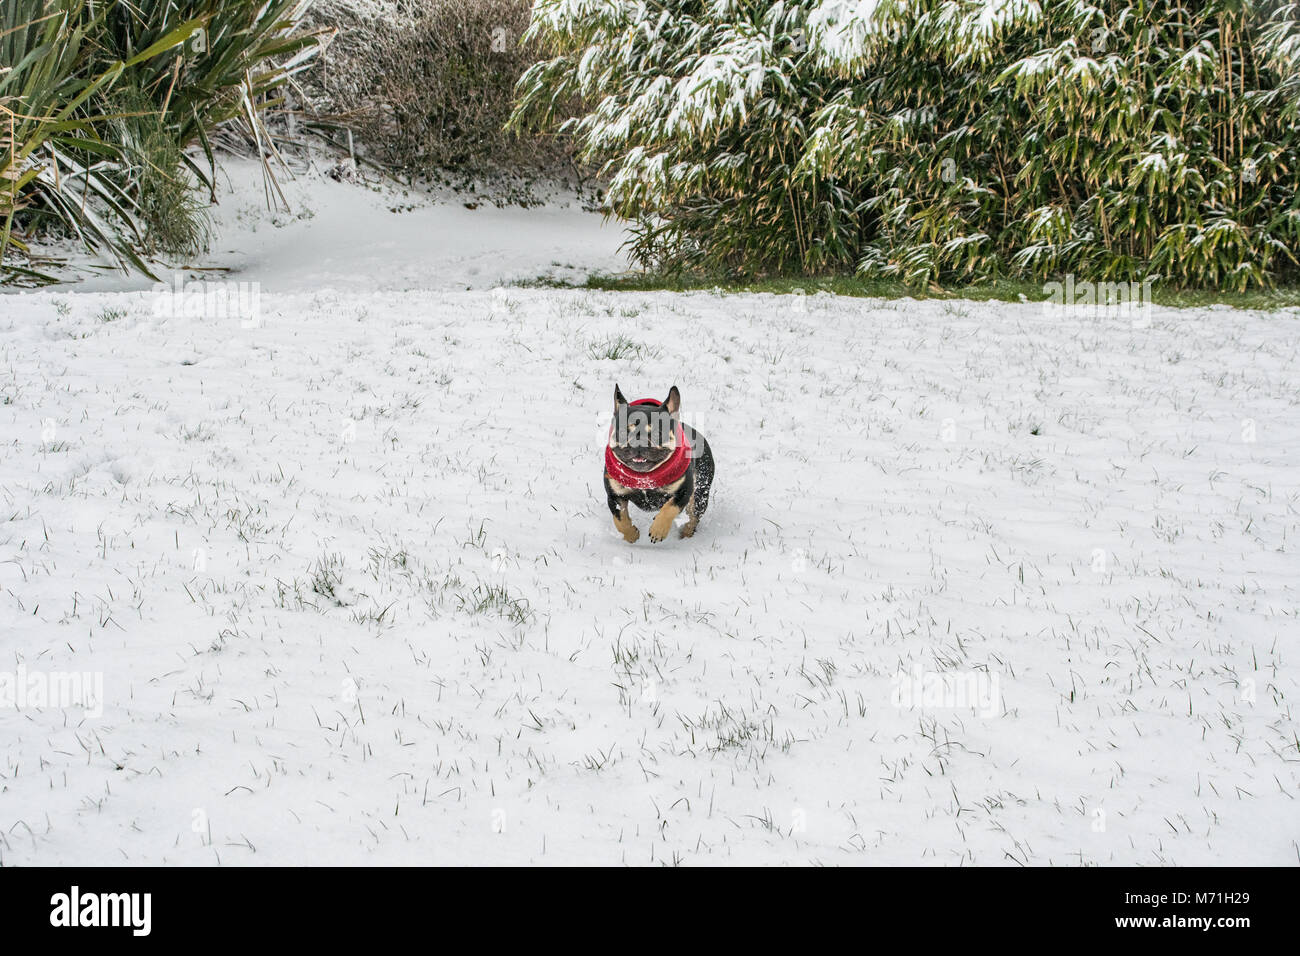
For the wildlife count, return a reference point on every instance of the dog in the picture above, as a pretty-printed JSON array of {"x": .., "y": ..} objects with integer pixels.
[{"x": 658, "y": 463}]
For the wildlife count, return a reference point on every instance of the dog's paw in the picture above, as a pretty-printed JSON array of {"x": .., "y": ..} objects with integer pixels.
[
  {"x": 688, "y": 529},
  {"x": 624, "y": 526},
  {"x": 662, "y": 525}
]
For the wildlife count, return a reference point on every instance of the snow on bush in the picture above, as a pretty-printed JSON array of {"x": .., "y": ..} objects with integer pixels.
[{"x": 937, "y": 139}]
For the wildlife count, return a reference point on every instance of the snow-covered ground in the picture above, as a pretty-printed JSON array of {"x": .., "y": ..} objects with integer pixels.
[
  {"x": 366, "y": 237},
  {"x": 348, "y": 580}
]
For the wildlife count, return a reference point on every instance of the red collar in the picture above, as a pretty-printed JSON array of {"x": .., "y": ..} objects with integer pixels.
[{"x": 663, "y": 474}]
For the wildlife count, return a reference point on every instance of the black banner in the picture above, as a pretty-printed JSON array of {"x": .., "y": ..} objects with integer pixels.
[{"x": 1229, "y": 906}]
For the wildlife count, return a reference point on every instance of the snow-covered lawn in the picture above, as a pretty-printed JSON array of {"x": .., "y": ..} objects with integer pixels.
[{"x": 351, "y": 588}]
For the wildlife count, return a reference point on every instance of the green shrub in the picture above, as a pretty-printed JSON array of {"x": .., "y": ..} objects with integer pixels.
[
  {"x": 170, "y": 210},
  {"x": 938, "y": 139}
]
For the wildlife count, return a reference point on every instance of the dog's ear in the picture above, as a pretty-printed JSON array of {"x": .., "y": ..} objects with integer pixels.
[
  {"x": 619, "y": 400},
  {"x": 674, "y": 402}
]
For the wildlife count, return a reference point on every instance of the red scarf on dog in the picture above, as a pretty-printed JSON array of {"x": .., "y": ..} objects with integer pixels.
[{"x": 662, "y": 474}]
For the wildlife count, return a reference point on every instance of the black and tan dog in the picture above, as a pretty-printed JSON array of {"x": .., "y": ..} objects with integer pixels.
[{"x": 657, "y": 463}]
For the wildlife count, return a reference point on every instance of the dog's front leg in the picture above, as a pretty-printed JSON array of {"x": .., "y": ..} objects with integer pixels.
[
  {"x": 622, "y": 520},
  {"x": 664, "y": 518}
]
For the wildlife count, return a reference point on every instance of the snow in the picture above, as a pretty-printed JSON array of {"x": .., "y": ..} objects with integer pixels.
[
  {"x": 365, "y": 237},
  {"x": 347, "y": 578},
  {"x": 841, "y": 28}
]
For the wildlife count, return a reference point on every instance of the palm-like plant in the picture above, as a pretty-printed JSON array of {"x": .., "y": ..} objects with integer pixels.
[
  {"x": 48, "y": 130},
  {"x": 235, "y": 58},
  {"x": 67, "y": 156}
]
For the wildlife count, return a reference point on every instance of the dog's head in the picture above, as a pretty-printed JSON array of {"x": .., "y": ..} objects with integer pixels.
[{"x": 644, "y": 436}]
